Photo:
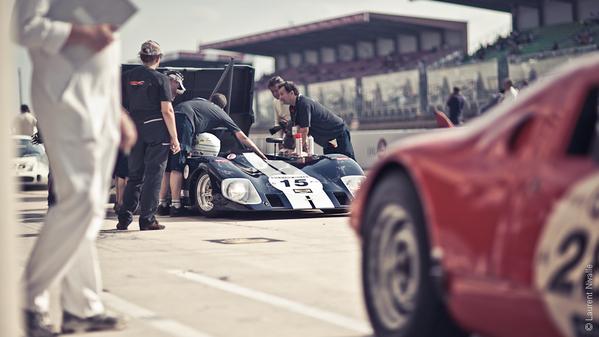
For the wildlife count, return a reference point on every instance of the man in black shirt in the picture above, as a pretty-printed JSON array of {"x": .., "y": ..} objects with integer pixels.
[
  {"x": 194, "y": 117},
  {"x": 328, "y": 129},
  {"x": 147, "y": 96},
  {"x": 455, "y": 103}
]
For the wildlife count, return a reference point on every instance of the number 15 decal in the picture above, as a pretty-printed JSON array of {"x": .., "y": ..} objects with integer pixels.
[{"x": 296, "y": 182}]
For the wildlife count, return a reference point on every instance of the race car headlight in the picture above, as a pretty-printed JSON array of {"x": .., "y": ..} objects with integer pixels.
[
  {"x": 353, "y": 183},
  {"x": 25, "y": 166},
  {"x": 240, "y": 190},
  {"x": 186, "y": 172}
]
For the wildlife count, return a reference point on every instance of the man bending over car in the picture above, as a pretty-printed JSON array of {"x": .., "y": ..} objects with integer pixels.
[{"x": 192, "y": 118}]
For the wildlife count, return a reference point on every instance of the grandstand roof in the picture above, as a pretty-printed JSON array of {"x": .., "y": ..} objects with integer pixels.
[
  {"x": 497, "y": 5},
  {"x": 346, "y": 29}
]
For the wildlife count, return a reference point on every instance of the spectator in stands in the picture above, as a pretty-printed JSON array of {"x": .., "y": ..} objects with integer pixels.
[
  {"x": 510, "y": 93},
  {"x": 555, "y": 46},
  {"x": 584, "y": 38},
  {"x": 455, "y": 104},
  {"x": 381, "y": 148},
  {"x": 328, "y": 129}
]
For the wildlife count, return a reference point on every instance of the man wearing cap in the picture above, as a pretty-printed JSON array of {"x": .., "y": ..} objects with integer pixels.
[
  {"x": 193, "y": 117},
  {"x": 147, "y": 96}
]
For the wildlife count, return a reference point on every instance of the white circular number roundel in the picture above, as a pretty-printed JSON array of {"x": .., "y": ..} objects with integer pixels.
[{"x": 567, "y": 261}]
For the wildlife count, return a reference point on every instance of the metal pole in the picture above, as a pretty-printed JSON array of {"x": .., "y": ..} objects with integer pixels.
[
  {"x": 220, "y": 81},
  {"x": 20, "y": 87},
  {"x": 231, "y": 72},
  {"x": 9, "y": 292}
]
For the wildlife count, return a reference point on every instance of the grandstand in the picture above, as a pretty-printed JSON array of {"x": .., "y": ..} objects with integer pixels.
[
  {"x": 330, "y": 58},
  {"x": 381, "y": 71},
  {"x": 539, "y": 26},
  {"x": 386, "y": 73}
]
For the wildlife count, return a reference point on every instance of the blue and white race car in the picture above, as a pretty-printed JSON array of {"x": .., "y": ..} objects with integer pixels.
[{"x": 237, "y": 180}]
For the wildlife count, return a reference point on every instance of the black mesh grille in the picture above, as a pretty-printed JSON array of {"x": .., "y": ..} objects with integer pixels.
[
  {"x": 274, "y": 200},
  {"x": 342, "y": 198}
]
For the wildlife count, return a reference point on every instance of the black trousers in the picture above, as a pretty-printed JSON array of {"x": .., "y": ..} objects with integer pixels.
[
  {"x": 147, "y": 163},
  {"x": 344, "y": 145},
  {"x": 454, "y": 117}
]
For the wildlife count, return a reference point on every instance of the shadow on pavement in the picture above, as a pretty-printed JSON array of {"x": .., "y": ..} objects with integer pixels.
[
  {"x": 25, "y": 188},
  {"x": 193, "y": 215},
  {"x": 34, "y": 199}
]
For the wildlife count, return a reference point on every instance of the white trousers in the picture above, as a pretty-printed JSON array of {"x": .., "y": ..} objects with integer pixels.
[{"x": 81, "y": 143}]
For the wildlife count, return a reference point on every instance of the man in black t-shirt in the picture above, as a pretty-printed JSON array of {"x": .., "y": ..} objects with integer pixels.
[
  {"x": 194, "y": 117},
  {"x": 328, "y": 129},
  {"x": 147, "y": 96}
]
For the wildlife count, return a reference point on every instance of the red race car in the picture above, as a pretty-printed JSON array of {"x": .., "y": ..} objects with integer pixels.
[{"x": 491, "y": 228}]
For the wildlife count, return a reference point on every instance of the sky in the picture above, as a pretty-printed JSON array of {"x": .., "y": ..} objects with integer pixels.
[{"x": 183, "y": 25}]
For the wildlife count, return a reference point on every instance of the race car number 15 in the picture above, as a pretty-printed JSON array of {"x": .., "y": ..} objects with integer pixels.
[{"x": 295, "y": 182}]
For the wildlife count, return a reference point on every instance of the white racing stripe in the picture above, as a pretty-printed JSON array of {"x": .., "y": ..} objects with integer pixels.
[
  {"x": 302, "y": 190},
  {"x": 260, "y": 165},
  {"x": 285, "y": 167},
  {"x": 168, "y": 326},
  {"x": 299, "y": 308}
]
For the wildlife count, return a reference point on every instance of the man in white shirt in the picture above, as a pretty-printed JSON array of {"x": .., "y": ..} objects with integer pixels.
[
  {"x": 281, "y": 110},
  {"x": 79, "y": 112},
  {"x": 510, "y": 93},
  {"x": 25, "y": 123}
]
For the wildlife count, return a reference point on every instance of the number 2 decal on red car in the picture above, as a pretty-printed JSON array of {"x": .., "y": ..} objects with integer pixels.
[{"x": 567, "y": 260}]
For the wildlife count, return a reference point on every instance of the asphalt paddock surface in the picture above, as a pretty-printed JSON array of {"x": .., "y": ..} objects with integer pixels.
[{"x": 258, "y": 274}]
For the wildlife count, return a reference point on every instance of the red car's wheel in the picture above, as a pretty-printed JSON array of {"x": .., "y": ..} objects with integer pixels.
[{"x": 401, "y": 298}]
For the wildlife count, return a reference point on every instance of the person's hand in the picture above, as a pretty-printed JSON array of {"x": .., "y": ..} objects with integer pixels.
[
  {"x": 128, "y": 133},
  {"x": 36, "y": 139},
  {"x": 95, "y": 37},
  {"x": 175, "y": 146},
  {"x": 100, "y": 36}
]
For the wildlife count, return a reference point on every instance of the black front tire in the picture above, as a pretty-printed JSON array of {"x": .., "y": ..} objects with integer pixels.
[{"x": 401, "y": 297}]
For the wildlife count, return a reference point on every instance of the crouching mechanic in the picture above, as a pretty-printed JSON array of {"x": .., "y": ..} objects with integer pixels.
[{"x": 192, "y": 118}]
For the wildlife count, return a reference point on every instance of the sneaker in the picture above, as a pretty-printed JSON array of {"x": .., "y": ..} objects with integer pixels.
[
  {"x": 163, "y": 210},
  {"x": 37, "y": 325},
  {"x": 122, "y": 225},
  {"x": 75, "y": 324},
  {"x": 177, "y": 211},
  {"x": 154, "y": 226}
]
